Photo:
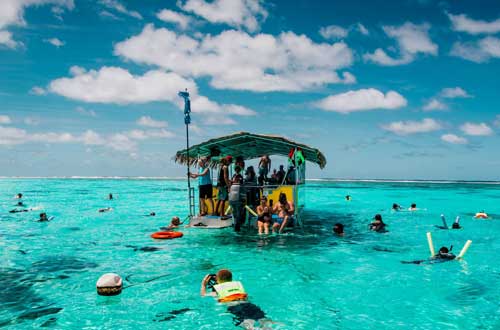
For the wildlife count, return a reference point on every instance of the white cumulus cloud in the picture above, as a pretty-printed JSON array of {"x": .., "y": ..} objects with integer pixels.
[
  {"x": 237, "y": 13},
  {"x": 463, "y": 23},
  {"x": 454, "y": 92},
  {"x": 480, "y": 51},
  {"x": 476, "y": 129},
  {"x": 237, "y": 60},
  {"x": 434, "y": 105},
  {"x": 333, "y": 32},
  {"x": 5, "y": 119},
  {"x": 55, "y": 42},
  {"x": 412, "y": 127},
  {"x": 412, "y": 39},
  {"x": 150, "y": 122},
  {"x": 117, "y": 85},
  {"x": 362, "y": 100},
  {"x": 12, "y": 13},
  {"x": 454, "y": 139},
  {"x": 171, "y": 16}
]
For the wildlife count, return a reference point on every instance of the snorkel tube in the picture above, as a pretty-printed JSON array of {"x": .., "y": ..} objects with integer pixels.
[
  {"x": 464, "y": 249},
  {"x": 431, "y": 245}
]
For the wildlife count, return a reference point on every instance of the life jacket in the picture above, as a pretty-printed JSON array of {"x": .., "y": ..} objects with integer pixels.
[{"x": 230, "y": 291}]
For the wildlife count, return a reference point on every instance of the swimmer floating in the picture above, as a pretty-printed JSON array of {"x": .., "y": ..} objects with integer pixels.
[{"x": 444, "y": 254}]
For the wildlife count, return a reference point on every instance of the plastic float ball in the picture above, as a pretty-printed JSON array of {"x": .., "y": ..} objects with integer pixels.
[{"x": 109, "y": 284}]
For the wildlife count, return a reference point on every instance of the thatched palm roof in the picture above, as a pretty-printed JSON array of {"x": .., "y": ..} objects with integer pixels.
[{"x": 249, "y": 146}]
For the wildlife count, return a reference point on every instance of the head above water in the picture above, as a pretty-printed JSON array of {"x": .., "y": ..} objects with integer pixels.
[
  {"x": 377, "y": 217},
  {"x": 224, "y": 275},
  {"x": 444, "y": 250},
  {"x": 395, "y": 206},
  {"x": 176, "y": 221},
  {"x": 338, "y": 228},
  {"x": 19, "y": 195},
  {"x": 413, "y": 206}
]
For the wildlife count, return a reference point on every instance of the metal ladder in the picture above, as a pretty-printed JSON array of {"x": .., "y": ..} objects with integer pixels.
[{"x": 192, "y": 206}]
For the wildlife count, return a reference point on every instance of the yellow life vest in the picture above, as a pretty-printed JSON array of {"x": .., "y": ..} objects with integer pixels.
[{"x": 230, "y": 291}]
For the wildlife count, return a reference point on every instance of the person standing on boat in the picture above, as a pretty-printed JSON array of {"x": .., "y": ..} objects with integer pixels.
[
  {"x": 223, "y": 183},
  {"x": 264, "y": 169},
  {"x": 237, "y": 196},
  {"x": 205, "y": 186}
]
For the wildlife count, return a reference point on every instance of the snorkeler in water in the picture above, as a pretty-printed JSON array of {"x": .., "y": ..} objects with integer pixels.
[
  {"x": 348, "y": 197},
  {"x": 396, "y": 207},
  {"x": 413, "y": 207},
  {"x": 443, "y": 255},
  {"x": 44, "y": 218},
  {"x": 338, "y": 229},
  {"x": 456, "y": 224},
  {"x": 378, "y": 224},
  {"x": 107, "y": 209},
  {"x": 19, "y": 211}
]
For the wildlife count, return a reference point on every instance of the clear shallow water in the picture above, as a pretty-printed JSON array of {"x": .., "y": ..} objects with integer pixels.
[{"x": 305, "y": 280}]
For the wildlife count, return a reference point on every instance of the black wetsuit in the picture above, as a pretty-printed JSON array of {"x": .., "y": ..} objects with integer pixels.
[
  {"x": 440, "y": 257},
  {"x": 245, "y": 311}
]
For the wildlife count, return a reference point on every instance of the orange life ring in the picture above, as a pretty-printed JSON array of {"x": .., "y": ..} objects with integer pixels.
[
  {"x": 234, "y": 297},
  {"x": 166, "y": 234},
  {"x": 481, "y": 215}
]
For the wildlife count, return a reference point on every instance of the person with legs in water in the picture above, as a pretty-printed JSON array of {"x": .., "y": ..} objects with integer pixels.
[
  {"x": 444, "y": 254},
  {"x": 378, "y": 224},
  {"x": 223, "y": 184},
  {"x": 285, "y": 210},
  {"x": 222, "y": 286},
  {"x": 338, "y": 229},
  {"x": 205, "y": 186},
  {"x": 265, "y": 216}
]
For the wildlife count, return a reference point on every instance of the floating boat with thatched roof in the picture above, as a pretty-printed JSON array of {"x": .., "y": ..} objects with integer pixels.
[{"x": 248, "y": 146}]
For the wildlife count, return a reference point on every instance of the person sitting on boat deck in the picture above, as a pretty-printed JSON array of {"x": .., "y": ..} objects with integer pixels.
[
  {"x": 43, "y": 217},
  {"x": 252, "y": 190},
  {"x": 413, "y": 207},
  {"x": 338, "y": 229},
  {"x": 285, "y": 210},
  {"x": 222, "y": 286},
  {"x": 223, "y": 183},
  {"x": 280, "y": 176},
  {"x": 378, "y": 224},
  {"x": 265, "y": 216},
  {"x": 396, "y": 207},
  {"x": 110, "y": 196},
  {"x": 237, "y": 196},
  {"x": 264, "y": 168},
  {"x": 274, "y": 177},
  {"x": 204, "y": 185}
]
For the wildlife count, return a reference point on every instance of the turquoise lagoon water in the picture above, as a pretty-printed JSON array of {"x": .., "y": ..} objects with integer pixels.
[{"x": 308, "y": 279}]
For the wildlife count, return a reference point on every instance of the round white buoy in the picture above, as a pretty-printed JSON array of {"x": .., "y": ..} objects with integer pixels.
[{"x": 109, "y": 284}]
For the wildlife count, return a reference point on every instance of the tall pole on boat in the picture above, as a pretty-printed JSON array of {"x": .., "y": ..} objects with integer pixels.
[{"x": 187, "y": 121}]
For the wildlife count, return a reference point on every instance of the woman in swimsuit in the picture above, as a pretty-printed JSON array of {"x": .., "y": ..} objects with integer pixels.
[{"x": 265, "y": 217}]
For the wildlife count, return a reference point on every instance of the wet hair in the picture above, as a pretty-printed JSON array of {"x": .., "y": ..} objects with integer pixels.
[
  {"x": 413, "y": 205},
  {"x": 444, "y": 249},
  {"x": 395, "y": 206},
  {"x": 224, "y": 275},
  {"x": 282, "y": 198},
  {"x": 378, "y": 217},
  {"x": 338, "y": 228},
  {"x": 176, "y": 221}
]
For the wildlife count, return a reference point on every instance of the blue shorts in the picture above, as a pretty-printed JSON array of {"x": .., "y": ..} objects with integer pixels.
[{"x": 280, "y": 220}]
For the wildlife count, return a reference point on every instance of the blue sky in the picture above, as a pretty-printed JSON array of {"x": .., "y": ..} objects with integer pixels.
[{"x": 386, "y": 89}]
